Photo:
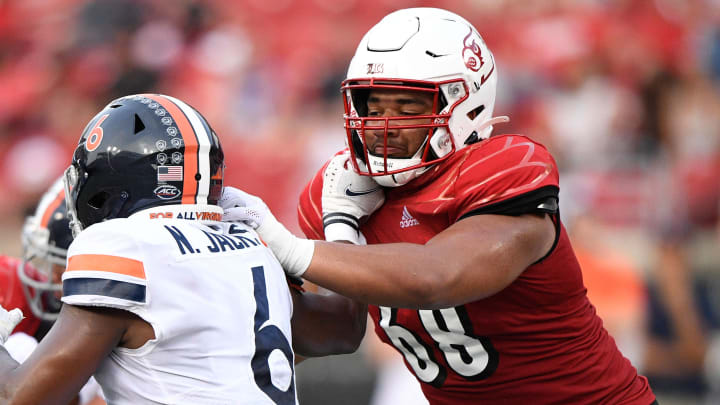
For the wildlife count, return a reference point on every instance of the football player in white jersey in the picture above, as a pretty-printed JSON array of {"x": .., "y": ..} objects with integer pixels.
[{"x": 163, "y": 302}]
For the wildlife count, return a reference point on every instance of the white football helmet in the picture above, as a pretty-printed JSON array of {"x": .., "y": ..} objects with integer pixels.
[
  {"x": 425, "y": 49},
  {"x": 46, "y": 236}
]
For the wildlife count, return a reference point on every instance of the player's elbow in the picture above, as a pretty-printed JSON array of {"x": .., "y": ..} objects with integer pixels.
[
  {"x": 352, "y": 338},
  {"x": 350, "y": 345},
  {"x": 331, "y": 345},
  {"x": 357, "y": 334},
  {"x": 327, "y": 324}
]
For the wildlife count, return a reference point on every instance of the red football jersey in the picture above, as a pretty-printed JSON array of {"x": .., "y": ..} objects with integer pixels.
[
  {"x": 12, "y": 296},
  {"x": 537, "y": 341}
]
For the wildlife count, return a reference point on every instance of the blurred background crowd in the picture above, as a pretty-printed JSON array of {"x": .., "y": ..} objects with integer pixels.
[{"x": 625, "y": 93}]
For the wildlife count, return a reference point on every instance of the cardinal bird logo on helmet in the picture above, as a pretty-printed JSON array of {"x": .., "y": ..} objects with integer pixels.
[{"x": 472, "y": 55}]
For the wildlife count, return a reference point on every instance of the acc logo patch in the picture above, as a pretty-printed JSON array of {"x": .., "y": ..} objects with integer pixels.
[{"x": 166, "y": 192}]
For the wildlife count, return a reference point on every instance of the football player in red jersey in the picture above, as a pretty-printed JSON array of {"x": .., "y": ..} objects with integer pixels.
[
  {"x": 32, "y": 283},
  {"x": 471, "y": 272}
]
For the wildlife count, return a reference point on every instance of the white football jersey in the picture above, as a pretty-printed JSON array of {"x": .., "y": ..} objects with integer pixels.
[{"x": 216, "y": 297}]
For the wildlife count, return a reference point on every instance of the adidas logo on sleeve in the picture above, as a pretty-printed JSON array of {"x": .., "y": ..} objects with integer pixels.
[{"x": 407, "y": 219}]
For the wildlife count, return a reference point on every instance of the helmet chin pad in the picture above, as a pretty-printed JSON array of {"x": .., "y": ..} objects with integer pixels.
[
  {"x": 376, "y": 164},
  {"x": 398, "y": 179}
]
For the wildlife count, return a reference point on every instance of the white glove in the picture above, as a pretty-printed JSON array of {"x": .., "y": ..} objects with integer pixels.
[
  {"x": 253, "y": 210},
  {"x": 293, "y": 253},
  {"x": 8, "y": 322},
  {"x": 347, "y": 198}
]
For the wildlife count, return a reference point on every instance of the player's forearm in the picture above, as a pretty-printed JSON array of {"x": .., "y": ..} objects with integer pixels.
[
  {"x": 396, "y": 275},
  {"x": 406, "y": 275},
  {"x": 474, "y": 259},
  {"x": 23, "y": 383}
]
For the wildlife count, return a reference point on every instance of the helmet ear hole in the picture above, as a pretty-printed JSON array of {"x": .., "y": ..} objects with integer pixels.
[
  {"x": 475, "y": 112},
  {"x": 98, "y": 200}
]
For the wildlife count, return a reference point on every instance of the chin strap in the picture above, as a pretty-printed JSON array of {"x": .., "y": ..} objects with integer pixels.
[
  {"x": 474, "y": 137},
  {"x": 492, "y": 121}
]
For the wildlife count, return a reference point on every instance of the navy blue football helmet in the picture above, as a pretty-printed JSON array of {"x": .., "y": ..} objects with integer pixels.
[{"x": 142, "y": 151}]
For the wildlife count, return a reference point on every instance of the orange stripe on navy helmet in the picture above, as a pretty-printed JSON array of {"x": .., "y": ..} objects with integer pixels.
[{"x": 190, "y": 141}]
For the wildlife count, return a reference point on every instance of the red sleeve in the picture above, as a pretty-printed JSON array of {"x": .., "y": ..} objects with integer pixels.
[
  {"x": 507, "y": 174},
  {"x": 310, "y": 206},
  {"x": 12, "y": 295},
  {"x": 309, "y": 209}
]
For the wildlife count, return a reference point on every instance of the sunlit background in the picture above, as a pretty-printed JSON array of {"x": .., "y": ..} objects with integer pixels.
[{"x": 625, "y": 93}]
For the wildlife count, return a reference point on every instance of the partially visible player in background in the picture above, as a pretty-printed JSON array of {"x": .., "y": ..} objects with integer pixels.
[
  {"x": 33, "y": 283},
  {"x": 46, "y": 237}
]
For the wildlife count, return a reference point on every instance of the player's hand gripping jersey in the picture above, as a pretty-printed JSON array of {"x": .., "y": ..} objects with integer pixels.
[
  {"x": 190, "y": 280},
  {"x": 520, "y": 345}
]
